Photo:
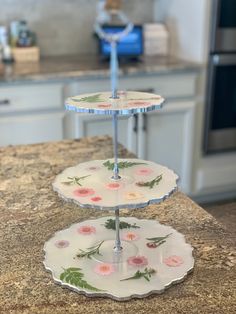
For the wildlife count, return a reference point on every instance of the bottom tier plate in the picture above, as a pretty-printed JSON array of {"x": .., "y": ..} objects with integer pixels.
[{"x": 153, "y": 257}]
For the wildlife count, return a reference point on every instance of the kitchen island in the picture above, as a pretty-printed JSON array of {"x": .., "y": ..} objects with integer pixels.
[{"x": 31, "y": 213}]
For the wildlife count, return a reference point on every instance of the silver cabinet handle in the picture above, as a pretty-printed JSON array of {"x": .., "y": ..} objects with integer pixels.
[
  {"x": 135, "y": 128},
  {"x": 144, "y": 122},
  {"x": 224, "y": 59},
  {"x": 4, "y": 102}
]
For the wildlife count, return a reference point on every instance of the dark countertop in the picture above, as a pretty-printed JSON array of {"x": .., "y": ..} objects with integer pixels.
[
  {"x": 74, "y": 67},
  {"x": 30, "y": 213}
]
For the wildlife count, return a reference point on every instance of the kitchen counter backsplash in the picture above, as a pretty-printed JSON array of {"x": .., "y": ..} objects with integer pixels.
[
  {"x": 66, "y": 27},
  {"x": 73, "y": 67}
]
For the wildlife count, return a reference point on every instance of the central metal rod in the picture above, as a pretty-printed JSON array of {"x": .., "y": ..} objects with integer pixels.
[
  {"x": 115, "y": 146},
  {"x": 118, "y": 247},
  {"x": 113, "y": 68},
  {"x": 114, "y": 76}
]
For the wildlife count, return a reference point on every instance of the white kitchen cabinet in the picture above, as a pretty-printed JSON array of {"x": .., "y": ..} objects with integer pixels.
[
  {"x": 29, "y": 129},
  {"x": 85, "y": 125},
  {"x": 31, "y": 113},
  {"x": 167, "y": 137},
  {"x": 30, "y": 97}
]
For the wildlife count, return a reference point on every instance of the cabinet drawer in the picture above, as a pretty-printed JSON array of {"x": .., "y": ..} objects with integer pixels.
[
  {"x": 178, "y": 85},
  {"x": 30, "y": 97},
  {"x": 169, "y": 86},
  {"x": 30, "y": 129}
]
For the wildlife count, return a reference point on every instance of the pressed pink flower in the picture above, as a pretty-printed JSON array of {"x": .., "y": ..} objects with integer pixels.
[
  {"x": 133, "y": 195},
  {"x": 93, "y": 168},
  {"x": 104, "y": 269},
  {"x": 83, "y": 192},
  {"x": 144, "y": 171},
  {"x": 173, "y": 261},
  {"x": 139, "y": 104},
  {"x": 104, "y": 105},
  {"x": 138, "y": 261},
  {"x": 86, "y": 230},
  {"x": 151, "y": 245},
  {"x": 61, "y": 244},
  {"x": 130, "y": 236},
  {"x": 121, "y": 93},
  {"x": 96, "y": 199},
  {"x": 114, "y": 186}
]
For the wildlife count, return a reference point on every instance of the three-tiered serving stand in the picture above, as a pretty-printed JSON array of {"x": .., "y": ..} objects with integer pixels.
[{"x": 119, "y": 258}]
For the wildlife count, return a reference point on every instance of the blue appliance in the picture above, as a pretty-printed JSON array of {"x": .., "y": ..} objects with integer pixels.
[{"x": 130, "y": 46}]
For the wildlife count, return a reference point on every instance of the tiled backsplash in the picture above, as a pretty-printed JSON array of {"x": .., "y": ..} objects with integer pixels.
[{"x": 66, "y": 26}]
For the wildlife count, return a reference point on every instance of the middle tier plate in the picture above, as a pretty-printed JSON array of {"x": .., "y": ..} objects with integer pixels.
[
  {"x": 126, "y": 103},
  {"x": 90, "y": 184}
]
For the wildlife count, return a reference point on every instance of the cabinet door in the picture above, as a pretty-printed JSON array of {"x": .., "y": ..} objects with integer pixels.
[
  {"x": 92, "y": 125},
  {"x": 166, "y": 137},
  {"x": 31, "y": 97},
  {"x": 29, "y": 129}
]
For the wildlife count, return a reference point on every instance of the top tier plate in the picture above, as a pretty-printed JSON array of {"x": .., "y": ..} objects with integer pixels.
[{"x": 127, "y": 103}]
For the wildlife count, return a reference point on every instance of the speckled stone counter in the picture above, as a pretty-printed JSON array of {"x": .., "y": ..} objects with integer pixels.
[
  {"x": 74, "y": 67},
  {"x": 30, "y": 213}
]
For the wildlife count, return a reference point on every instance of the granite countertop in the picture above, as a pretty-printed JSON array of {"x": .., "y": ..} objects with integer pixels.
[
  {"x": 73, "y": 67},
  {"x": 31, "y": 213}
]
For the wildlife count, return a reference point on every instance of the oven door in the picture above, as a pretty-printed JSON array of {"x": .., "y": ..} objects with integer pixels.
[
  {"x": 220, "y": 124},
  {"x": 224, "y": 26}
]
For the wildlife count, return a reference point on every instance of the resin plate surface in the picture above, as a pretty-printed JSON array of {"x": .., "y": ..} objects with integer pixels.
[
  {"x": 90, "y": 184},
  {"x": 126, "y": 103},
  {"x": 154, "y": 257}
]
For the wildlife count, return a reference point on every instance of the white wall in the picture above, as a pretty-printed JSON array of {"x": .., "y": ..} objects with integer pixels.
[
  {"x": 188, "y": 22},
  {"x": 66, "y": 26}
]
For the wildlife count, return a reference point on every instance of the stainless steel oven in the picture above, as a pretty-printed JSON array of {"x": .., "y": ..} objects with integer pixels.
[
  {"x": 223, "y": 26},
  {"x": 220, "y": 122}
]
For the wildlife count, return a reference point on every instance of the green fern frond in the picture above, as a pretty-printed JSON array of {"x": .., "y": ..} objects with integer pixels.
[
  {"x": 90, "y": 99},
  {"x": 111, "y": 224},
  {"x": 122, "y": 164},
  {"x": 74, "y": 276}
]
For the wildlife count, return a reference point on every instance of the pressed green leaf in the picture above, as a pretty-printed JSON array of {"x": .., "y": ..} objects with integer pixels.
[
  {"x": 62, "y": 276},
  {"x": 74, "y": 276},
  {"x": 159, "y": 239},
  {"x": 122, "y": 164},
  {"x": 90, "y": 99},
  {"x": 73, "y": 281},
  {"x": 73, "y": 269},
  {"x": 111, "y": 224},
  {"x": 78, "y": 275},
  {"x": 90, "y": 251},
  {"x": 151, "y": 183},
  {"x": 69, "y": 277},
  {"x": 146, "y": 274},
  {"x": 75, "y": 180},
  {"x": 146, "y": 277},
  {"x": 85, "y": 285}
]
